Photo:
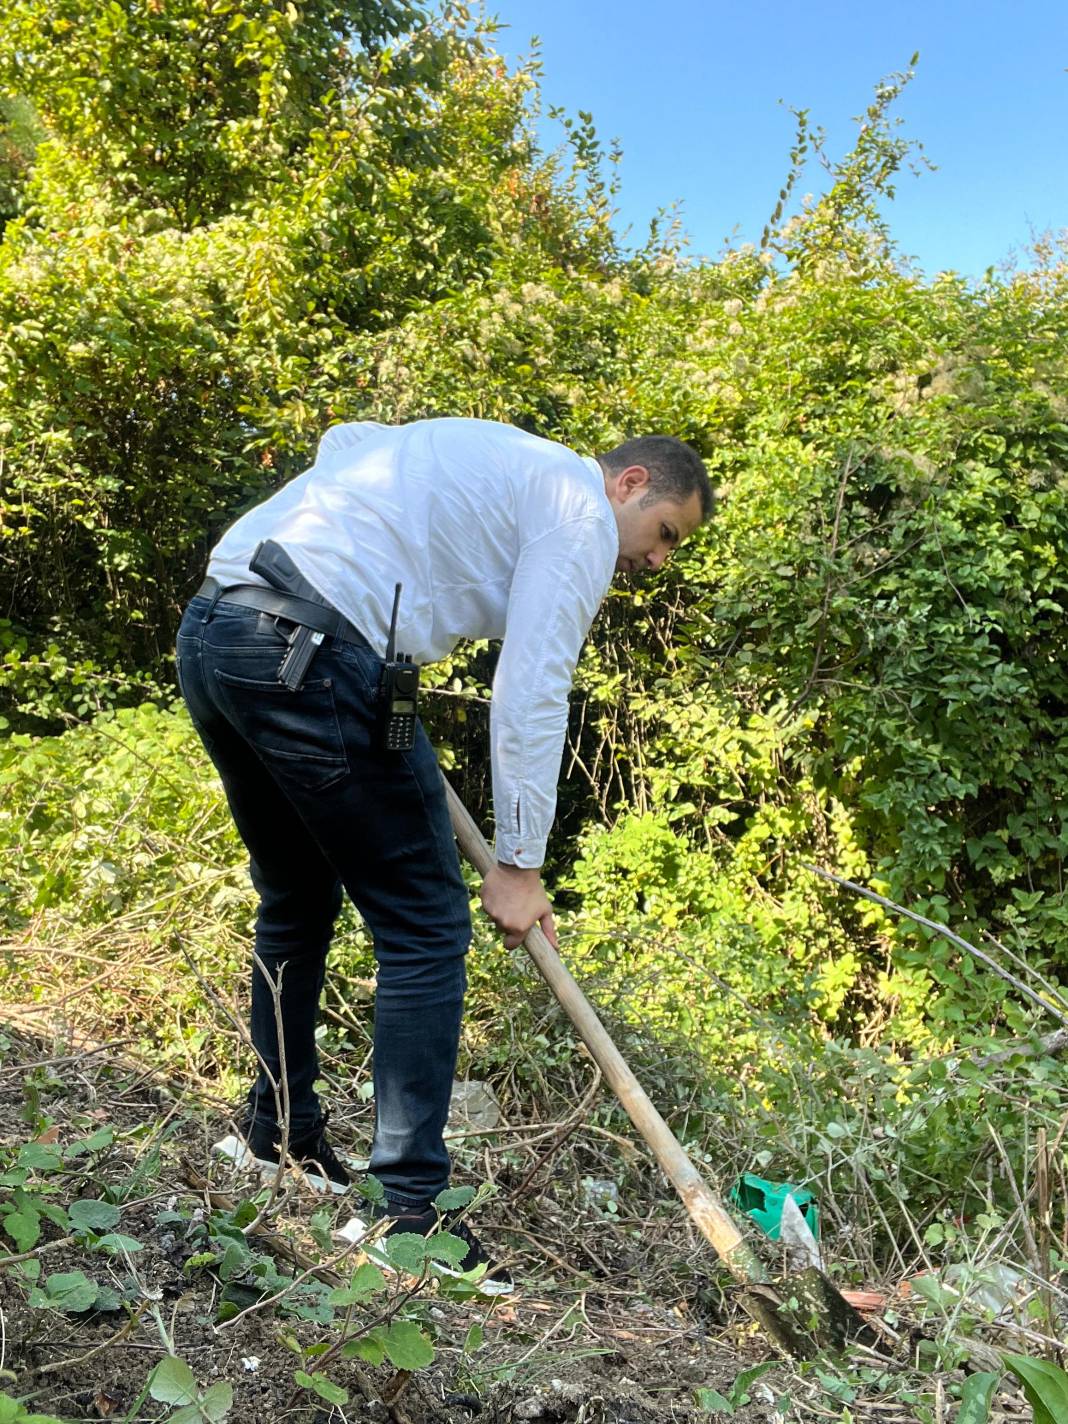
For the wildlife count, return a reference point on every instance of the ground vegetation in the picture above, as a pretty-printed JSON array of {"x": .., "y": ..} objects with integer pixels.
[{"x": 858, "y": 666}]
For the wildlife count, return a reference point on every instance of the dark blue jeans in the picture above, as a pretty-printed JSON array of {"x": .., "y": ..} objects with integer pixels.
[{"x": 321, "y": 808}]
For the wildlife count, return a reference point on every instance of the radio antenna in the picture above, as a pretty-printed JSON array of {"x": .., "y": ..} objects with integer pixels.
[{"x": 391, "y": 646}]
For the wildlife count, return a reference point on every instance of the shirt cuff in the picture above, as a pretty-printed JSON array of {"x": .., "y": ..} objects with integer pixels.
[{"x": 526, "y": 852}]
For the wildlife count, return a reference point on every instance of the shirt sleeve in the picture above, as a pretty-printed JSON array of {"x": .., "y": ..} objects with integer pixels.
[{"x": 559, "y": 582}]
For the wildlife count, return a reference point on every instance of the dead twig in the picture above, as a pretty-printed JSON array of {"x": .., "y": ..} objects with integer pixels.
[
  {"x": 54, "y": 1366},
  {"x": 280, "y": 1091},
  {"x": 946, "y": 933},
  {"x": 568, "y": 1129},
  {"x": 37, "y": 1251}
]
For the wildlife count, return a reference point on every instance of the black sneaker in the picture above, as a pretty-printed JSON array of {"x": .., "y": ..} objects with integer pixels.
[
  {"x": 495, "y": 1281},
  {"x": 258, "y": 1143}
]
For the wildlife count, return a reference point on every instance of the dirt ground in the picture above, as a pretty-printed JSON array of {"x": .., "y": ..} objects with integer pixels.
[{"x": 599, "y": 1330}]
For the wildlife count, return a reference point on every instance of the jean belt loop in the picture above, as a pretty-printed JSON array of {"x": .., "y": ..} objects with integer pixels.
[{"x": 211, "y": 606}]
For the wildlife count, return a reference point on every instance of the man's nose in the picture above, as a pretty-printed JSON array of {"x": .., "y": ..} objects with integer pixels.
[{"x": 656, "y": 558}]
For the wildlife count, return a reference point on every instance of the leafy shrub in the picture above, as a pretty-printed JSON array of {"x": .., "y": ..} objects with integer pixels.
[{"x": 108, "y": 818}]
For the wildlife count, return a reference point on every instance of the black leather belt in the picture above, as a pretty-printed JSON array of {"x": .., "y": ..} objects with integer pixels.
[{"x": 319, "y": 616}]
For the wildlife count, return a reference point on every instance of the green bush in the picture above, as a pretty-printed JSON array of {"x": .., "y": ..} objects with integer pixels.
[{"x": 107, "y": 819}]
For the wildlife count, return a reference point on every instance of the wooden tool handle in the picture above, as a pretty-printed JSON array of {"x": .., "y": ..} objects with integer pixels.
[{"x": 708, "y": 1212}]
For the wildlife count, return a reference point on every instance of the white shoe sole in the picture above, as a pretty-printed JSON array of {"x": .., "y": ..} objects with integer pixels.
[
  {"x": 354, "y": 1231},
  {"x": 239, "y": 1152}
]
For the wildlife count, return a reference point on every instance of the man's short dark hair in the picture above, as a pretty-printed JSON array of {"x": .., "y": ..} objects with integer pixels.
[{"x": 676, "y": 471}]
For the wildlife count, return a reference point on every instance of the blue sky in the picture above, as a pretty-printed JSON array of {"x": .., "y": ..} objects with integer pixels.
[{"x": 692, "y": 92}]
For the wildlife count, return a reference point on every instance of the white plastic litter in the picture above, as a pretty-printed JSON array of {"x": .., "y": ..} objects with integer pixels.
[
  {"x": 997, "y": 1289},
  {"x": 353, "y": 1231},
  {"x": 802, "y": 1248},
  {"x": 473, "y": 1107},
  {"x": 599, "y": 1191}
]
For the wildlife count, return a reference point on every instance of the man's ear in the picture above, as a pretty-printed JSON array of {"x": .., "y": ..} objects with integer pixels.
[{"x": 633, "y": 480}]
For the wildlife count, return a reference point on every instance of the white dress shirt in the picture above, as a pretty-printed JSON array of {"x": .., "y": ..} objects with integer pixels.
[{"x": 493, "y": 533}]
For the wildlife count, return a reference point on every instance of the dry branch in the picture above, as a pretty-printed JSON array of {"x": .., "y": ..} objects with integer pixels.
[{"x": 946, "y": 933}]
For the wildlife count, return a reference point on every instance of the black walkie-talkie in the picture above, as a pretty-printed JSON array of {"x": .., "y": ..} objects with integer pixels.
[{"x": 398, "y": 692}]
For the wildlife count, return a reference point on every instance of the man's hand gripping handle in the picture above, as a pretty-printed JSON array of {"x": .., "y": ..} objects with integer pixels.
[{"x": 515, "y": 901}]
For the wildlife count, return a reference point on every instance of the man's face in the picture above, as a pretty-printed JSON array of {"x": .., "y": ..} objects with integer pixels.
[{"x": 647, "y": 532}]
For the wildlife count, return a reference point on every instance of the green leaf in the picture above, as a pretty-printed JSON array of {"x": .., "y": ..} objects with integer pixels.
[
  {"x": 198, "y": 1259},
  {"x": 407, "y": 1347},
  {"x": 24, "y": 1227},
  {"x": 932, "y": 1291},
  {"x": 746, "y": 1378},
  {"x": 319, "y": 1227},
  {"x": 370, "y": 1347},
  {"x": 975, "y": 1398},
  {"x": 474, "y": 1339},
  {"x": 454, "y": 1198},
  {"x": 235, "y": 1260},
  {"x": 40, "y": 1157},
  {"x": 243, "y": 1214},
  {"x": 1045, "y": 1386},
  {"x": 54, "y": 1213},
  {"x": 95, "y": 1142},
  {"x": 88, "y": 1215},
  {"x": 365, "y": 1281},
  {"x": 71, "y": 1290},
  {"x": 318, "y": 1311},
  {"x": 188, "y": 1414},
  {"x": 240, "y": 1296},
  {"x": 323, "y": 1387},
  {"x": 443, "y": 1246},
  {"x": 461, "y": 1288},
  {"x": 115, "y": 1243},
  {"x": 372, "y": 1189},
  {"x": 407, "y": 1252},
  {"x": 173, "y": 1382},
  {"x": 713, "y": 1401},
  {"x": 217, "y": 1401},
  {"x": 13, "y": 1411}
]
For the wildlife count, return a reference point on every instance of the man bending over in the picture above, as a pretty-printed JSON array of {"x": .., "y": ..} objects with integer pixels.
[{"x": 332, "y": 782}]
